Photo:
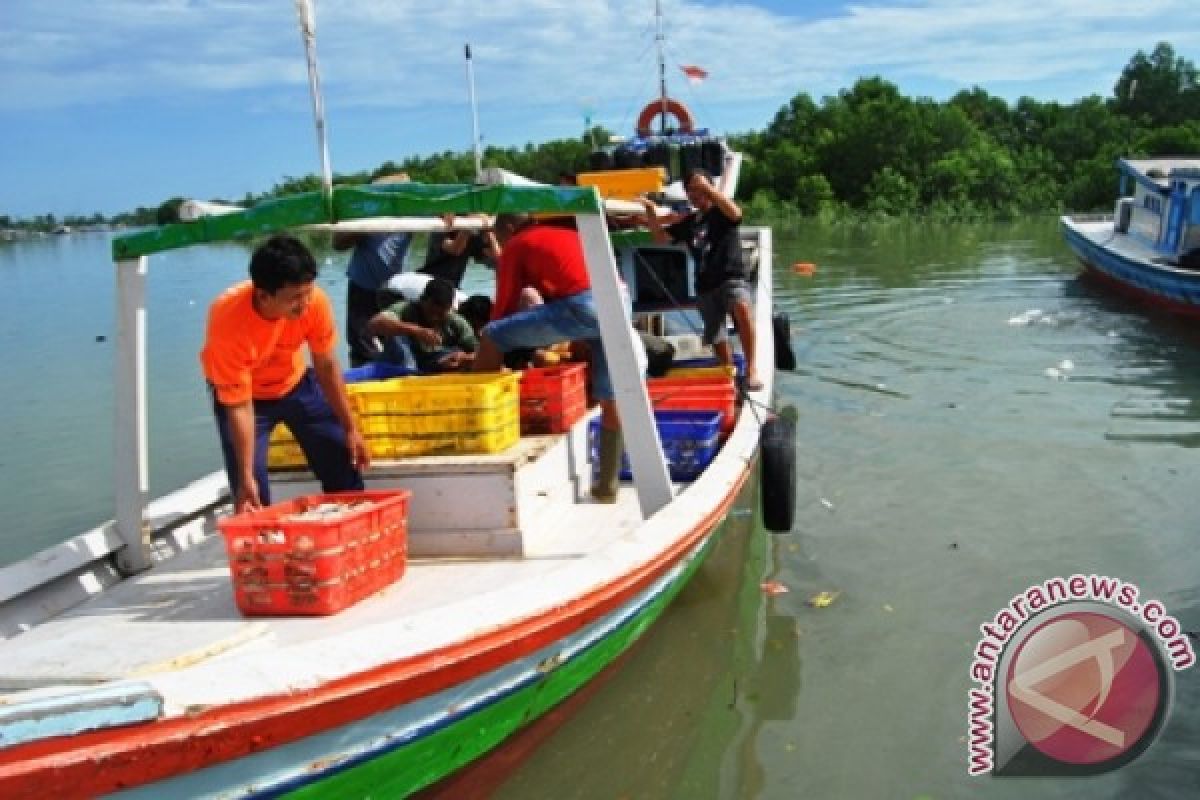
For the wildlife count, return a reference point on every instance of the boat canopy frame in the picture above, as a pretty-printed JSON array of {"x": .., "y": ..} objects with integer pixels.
[{"x": 324, "y": 211}]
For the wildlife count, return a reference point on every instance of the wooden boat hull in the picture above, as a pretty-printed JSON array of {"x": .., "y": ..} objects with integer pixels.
[
  {"x": 385, "y": 733},
  {"x": 1167, "y": 287}
]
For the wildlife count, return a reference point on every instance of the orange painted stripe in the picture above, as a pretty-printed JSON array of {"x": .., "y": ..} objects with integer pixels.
[{"x": 105, "y": 761}]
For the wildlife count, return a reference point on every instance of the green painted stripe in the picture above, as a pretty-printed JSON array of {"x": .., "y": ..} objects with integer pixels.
[
  {"x": 358, "y": 202},
  {"x": 413, "y": 767}
]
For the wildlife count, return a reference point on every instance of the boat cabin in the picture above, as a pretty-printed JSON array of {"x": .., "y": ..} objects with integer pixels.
[{"x": 1160, "y": 203}]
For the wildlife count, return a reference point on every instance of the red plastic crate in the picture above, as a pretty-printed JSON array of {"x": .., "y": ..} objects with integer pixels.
[
  {"x": 286, "y": 567},
  {"x": 552, "y": 398},
  {"x": 695, "y": 394}
]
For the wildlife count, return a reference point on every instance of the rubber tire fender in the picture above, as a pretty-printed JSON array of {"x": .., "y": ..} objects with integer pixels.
[
  {"x": 785, "y": 356},
  {"x": 778, "y": 478}
]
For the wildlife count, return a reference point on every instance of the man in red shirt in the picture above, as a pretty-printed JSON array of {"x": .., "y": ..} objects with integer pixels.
[
  {"x": 549, "y": 260},
  {"x": 258, "y": 376}
]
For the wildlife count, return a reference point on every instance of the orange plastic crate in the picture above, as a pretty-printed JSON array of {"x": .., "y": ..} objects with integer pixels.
[
  {"x": 283, "y": 566},
  {"x": 552, "y": 398},
  {"x": 695, "y": 394}
]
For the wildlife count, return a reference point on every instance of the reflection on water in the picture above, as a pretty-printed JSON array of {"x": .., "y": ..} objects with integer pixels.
[{"x": 948, "y": 458}]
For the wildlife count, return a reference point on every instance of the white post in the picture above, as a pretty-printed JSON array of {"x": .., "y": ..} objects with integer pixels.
[
  {"x": 131, "y": 471},
  {"x": 646, "y": 459},
  {"x": 475, "y": 144}
]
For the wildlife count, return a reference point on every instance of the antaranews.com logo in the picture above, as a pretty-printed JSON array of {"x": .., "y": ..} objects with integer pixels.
[{"x": 1074, "y": 677}]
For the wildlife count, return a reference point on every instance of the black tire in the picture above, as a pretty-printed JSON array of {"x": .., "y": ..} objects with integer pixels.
[
  {"x": 785, "y": 357},
  {"x": 778, "y": 441}
]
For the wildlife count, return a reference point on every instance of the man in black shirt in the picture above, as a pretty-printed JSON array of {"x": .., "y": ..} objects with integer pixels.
[
  {"x": 449, "y": 252},
  {"x": 711, "y": 234}
]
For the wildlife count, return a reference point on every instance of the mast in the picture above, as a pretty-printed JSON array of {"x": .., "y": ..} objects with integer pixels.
[
  {"x": 659, "y": 39},
  {"x": 474, "y": 115},
  {"x": 308, "y": 31}
]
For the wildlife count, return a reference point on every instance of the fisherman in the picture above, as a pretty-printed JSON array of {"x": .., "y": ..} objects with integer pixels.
[
  {"x": 258, "y": 377},
  {"x": 450, "y": 251},
  {"x": 376, "y": 258},
  {"x": 711, "y": 234},
  {"x": 548, "y": 260},
  {"x": 428, "y": 334}
]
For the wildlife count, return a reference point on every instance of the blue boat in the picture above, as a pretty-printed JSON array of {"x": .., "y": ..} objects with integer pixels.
[{"x": 1149, "y": 248}]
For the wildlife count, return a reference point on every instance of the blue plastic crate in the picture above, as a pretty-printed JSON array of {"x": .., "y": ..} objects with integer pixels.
[
  {"x": 376, "y": 371},
  {"x": 690, "y": 440},
  {"x": 739, "y": 363}
]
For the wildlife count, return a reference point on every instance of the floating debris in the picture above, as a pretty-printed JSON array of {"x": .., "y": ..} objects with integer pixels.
[
  {"x": 888, "y": 608},
  {"x": 827, "y": 504},
  {"x": 1054, "y": 373},
  {"x": 1066, "y": 365},
  {"x": 772, "y": 588},
  {"x": 804, "y": 268},
  {"x": 1026, "y": 317},
  {"x": 823, "y": 599}
]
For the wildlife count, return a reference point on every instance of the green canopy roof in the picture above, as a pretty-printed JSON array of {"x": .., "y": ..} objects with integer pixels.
[{"x": 359, "y": 202}]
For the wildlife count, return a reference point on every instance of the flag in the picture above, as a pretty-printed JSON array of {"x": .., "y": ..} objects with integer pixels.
[{"x": 694, "y": 74}]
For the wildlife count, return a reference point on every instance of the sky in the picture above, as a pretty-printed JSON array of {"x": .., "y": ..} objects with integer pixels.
[{"x": 106, "y": 105}]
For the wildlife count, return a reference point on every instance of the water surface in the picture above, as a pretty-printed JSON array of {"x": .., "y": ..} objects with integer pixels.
[{"x": 954, "y": 448}]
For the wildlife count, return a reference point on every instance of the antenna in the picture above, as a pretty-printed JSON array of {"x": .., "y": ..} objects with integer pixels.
[
  {"x": 474, "y": 115},
  {"x": 659, "y": 38}
]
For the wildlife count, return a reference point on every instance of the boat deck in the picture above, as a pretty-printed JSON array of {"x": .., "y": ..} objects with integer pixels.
[
  {"x": 182, "y": 612},
  {"x": 1098, "y": 229}
]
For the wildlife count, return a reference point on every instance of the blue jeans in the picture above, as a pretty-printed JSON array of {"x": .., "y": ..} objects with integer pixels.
[
  {"x": 307, "y": 414},
  {"x": 569, "y": 319},
  {"x": 399, "y": 350}
]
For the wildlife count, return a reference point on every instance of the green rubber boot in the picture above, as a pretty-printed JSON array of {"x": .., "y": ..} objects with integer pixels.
[{"x": 604, "y": 487}]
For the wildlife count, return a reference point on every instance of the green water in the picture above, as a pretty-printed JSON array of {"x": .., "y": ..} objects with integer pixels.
[{"x": 942, "y": 470}]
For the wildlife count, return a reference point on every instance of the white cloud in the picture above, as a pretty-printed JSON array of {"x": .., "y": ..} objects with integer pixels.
[{"x": 546, "y": 52}]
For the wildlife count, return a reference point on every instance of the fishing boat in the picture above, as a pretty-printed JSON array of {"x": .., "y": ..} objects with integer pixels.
[
  {"x": 127, "y": 663},
  {"x": 1149, "y": 248}
]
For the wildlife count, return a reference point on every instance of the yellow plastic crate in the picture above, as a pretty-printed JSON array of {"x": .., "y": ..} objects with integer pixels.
[
  {"x": 288, "y": 455},
  {"x": 285, "y": 454},
  {"x": 426, "y": 394},
  {"x": 464, "y": 421},
  {"x": 702, "y": 372},
  {"x": 495, "y": 441},
  {"x": 624, "y": 184}
]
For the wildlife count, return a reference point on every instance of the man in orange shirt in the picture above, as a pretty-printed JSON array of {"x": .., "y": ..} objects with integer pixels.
[{"x": 258, "y": 376}]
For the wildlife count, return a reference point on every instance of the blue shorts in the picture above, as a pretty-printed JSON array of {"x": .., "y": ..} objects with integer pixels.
[{"x": 567, "y": 320}]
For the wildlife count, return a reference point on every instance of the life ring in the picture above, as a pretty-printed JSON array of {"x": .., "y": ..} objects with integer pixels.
[
  {"x": 656, "y": 107},
  {"x": 781, "y": 326},
  {"x": 778, "y": 441}
]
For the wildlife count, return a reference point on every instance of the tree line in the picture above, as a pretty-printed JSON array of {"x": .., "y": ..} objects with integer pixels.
[{"x": 871, "y": 149}]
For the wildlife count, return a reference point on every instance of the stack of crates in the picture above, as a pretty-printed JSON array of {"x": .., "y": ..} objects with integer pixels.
[
  {"x": 317, "y": 554},
  {"x": 425, "y": 415},
  {"x": 707, "y": 366},
  {"x": 552, "y": 398},
  {"x": 690, "y": 440},
  {"x": 703, "y": 389}
]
